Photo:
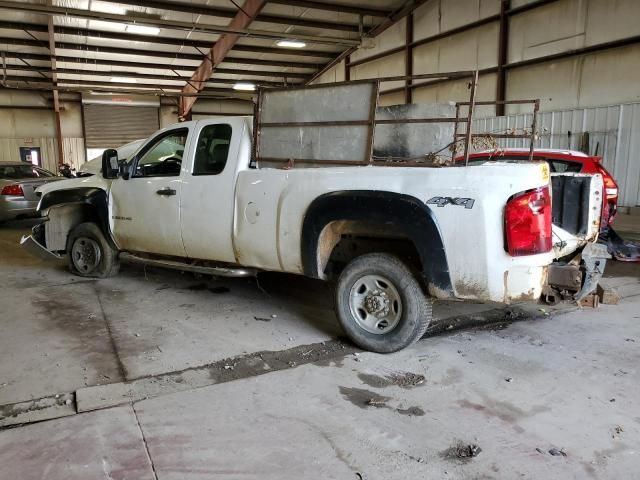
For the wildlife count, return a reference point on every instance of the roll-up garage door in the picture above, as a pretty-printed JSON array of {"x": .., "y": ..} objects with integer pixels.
[{"x": 109, "y": 126}]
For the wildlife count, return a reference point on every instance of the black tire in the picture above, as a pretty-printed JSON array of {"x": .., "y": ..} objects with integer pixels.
[
  {"x": 411, "y": 318},
  {"x": 90, "y": 253}
]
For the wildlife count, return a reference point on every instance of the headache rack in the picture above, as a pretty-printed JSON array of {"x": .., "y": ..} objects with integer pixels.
[{"x": 343, "y": 124}]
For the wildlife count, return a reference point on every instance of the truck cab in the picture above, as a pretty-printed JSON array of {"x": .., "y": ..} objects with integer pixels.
[{"x": 174, "y": 195}]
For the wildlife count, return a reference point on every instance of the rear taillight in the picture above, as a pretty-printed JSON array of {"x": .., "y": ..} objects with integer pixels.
[
  {"x": 610, "y": 185},
  {"x": 14, "y": 190},
  {"x": 527, "y": 222}
]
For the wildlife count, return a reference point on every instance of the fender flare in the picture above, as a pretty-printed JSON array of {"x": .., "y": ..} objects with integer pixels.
[
  {"x": 96, "y": 198},
  {"x": 402, "y": 212}
]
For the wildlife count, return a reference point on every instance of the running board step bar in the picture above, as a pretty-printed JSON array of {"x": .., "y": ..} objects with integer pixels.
[{"x": 185, "y": 267}]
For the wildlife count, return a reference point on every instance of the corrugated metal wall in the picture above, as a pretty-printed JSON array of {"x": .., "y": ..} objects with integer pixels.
[
  {"x": 73, "y": 148},
  {"x": 613, "y": 132}
]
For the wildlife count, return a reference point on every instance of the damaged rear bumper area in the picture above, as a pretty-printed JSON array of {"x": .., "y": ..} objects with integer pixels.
[
  {"x": 577, "y": 278},
  {"x": 35, "y": 244}
]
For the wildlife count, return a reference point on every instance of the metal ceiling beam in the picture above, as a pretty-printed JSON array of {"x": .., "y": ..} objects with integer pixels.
[
  {"x": 152, "y": 53},
  {"x": 113, "y": 73},
  {"x": 68, "y": 81},
  {"x": 161, "y": 40},
  {"x": 230, "y": 13},
  {"x": 244, "y": 17},
  {"x": 109, "y": 89},
  {"x": 156, "y": 66},
  {"x": 168, "y": 23},
  {"x": 335, "y": 7}
]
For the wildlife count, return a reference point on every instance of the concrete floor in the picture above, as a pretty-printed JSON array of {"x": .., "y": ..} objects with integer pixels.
[{"x": 188, "y": 378}]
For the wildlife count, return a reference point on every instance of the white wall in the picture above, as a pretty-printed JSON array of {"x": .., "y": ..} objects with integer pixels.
[
  {"x": 600, "y": 78},
  {"x": 21, "y": 127}
]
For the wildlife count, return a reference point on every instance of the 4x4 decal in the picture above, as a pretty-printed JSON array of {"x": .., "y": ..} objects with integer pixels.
[{"x": 442, "y": 201}]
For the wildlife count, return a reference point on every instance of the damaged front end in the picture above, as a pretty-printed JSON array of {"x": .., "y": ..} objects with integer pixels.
[{"x": 35, "y": 244}]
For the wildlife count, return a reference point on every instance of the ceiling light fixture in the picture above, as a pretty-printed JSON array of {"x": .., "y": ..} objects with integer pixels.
[
  {"x": 249, "y": 87},
  {"x": 124, "y": 80},
  {"x": 291, "y": 44},
  {"x": 143, "y": 30}
]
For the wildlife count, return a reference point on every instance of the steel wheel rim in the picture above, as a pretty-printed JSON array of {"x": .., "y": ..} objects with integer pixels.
[
  {"x": 375, "y": 304},
  {"x": 86, "y": 254}
]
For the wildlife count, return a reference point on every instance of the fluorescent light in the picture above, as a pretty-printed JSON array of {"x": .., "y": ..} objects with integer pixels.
[
  {"x": 142, "y": 29},
  {"x": 123, "y": 80},
  {"x": 291, "y": 44},
  {"x": 250, "y": 87},
  {"x": 109, "y": 8}
]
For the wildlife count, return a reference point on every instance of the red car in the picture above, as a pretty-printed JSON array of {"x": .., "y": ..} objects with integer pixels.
[{"x": 560, "y": 161}]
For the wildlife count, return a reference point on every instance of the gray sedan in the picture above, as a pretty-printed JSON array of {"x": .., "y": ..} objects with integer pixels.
[{"x": 18, "y": 182}]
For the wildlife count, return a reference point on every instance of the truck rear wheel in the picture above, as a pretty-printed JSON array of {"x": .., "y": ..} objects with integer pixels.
[
  {"x": 90, "y": 253},
  {"x": 380, "y": 304}
]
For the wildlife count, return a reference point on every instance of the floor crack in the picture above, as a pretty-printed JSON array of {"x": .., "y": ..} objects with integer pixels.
[
  {"x": 144, "y": 442},
  {"x": 122, "y": 370}
]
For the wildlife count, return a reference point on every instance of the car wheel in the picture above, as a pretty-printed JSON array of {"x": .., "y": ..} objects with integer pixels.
[
  {"x": 380, "y": 304},
  {"x": 90, "y": 253}
]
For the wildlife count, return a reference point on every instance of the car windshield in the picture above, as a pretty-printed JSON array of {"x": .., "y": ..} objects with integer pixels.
[{"x": 16, "y": 172}]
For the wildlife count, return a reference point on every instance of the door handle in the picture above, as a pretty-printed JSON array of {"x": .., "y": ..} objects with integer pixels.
[{"x": 166, "y": 191}]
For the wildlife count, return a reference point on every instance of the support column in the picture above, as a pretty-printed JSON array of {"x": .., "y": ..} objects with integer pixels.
[
  {"x": 503, "y": 51},
  {"x": 54, "y": 80},
  {"x": 347, "y": 68},
  {"x": 408, "y": 58}
]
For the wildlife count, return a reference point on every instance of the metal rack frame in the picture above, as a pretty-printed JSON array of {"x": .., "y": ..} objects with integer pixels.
[{"x": 259, "y": 126}]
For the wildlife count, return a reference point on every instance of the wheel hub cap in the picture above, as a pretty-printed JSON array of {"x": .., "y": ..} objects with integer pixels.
[
  {"x": 375, "y": 304},
  {"x": 86, "y": 254}
]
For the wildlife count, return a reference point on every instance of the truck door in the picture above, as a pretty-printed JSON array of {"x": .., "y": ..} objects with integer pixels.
[
  {"x": 208, "y": 193},
  {"x": 145, "y": 209}
]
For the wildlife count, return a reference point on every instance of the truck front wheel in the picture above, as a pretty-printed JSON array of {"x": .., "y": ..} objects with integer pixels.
[
  {"x": 380, "y": 304},
  {"x": 90, "y": 253}
]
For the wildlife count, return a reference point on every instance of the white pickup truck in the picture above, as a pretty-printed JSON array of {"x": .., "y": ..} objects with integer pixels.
[{"x": 393, "y": 238}]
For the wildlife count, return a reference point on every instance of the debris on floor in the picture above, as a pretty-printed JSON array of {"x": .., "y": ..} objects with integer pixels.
[
  {"x": 557, "y": 452},
  {"x": 607, "y": 295},
  {"x": 411, "y": 411},
  {"x": 406, "y": 379},
  {"x": 364, "y": 398},
  {"x": 617, "y": 431},
  {"x": 621, "y": 249},
  {"x": 591, "y": 301},
  {"x": 462, "y": 451},
  {"x": 376, "y": 402},
  {"x": 400, "y": 379}
]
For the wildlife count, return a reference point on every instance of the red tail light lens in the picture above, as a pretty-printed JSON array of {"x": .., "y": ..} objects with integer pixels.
[
  {"x": 14, "y": 190},
  {"x": 610, "y": 185},
  {"x": 528, "y": 222}
]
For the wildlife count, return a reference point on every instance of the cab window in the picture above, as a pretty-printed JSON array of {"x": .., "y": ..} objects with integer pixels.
[
  {"x": 212, "y": 149},
  {"x": 163, "y": 157}
]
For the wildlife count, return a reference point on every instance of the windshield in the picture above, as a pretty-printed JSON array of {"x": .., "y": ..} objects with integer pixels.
[{"x": 15, "y": 172}]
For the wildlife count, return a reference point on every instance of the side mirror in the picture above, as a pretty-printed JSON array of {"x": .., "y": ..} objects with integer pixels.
[{"x": 110, "y": 165}]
